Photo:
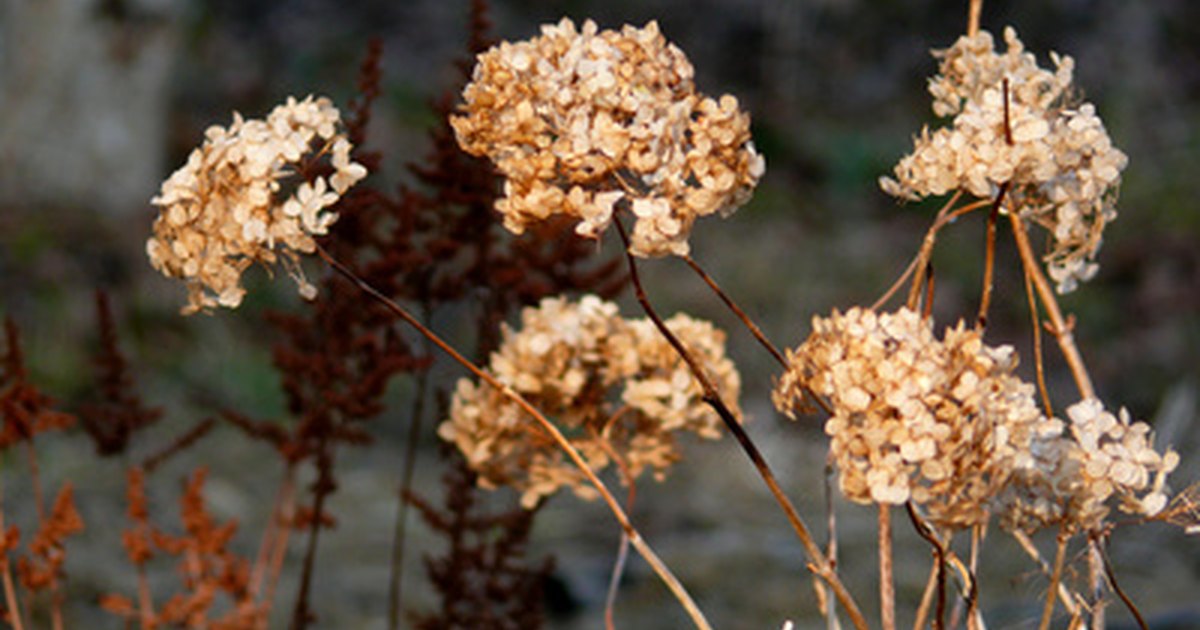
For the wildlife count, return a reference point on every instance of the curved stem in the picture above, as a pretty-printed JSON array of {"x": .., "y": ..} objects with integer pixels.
[
  {"x": 1112, "y": 579},
  {"x": 750, "y": 325},
  {"x": 635, "y": 538},
  {"x": 818, "y": 563}
]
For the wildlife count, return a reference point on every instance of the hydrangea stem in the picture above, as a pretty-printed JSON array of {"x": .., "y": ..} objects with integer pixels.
[
  {"x": 635, "y": 538},
  {"x": 1055, "y": 577},
  {"x": 818, "y": 562},
  {"x": 750, "y": 325},
  {"x": 887, "y": 587},
  {"x": 1060, "y": 327}
]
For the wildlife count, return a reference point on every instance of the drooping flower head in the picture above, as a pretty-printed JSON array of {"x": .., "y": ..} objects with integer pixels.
[
  {"x": 615, "y": 387},
  {"x": 1017, "y": 123},
  {"x": 583, "y": 122},
  {"x": 227, "y": 208}
]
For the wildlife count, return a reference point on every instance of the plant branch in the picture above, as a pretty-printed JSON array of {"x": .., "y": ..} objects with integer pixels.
[
  {"x": 1059, "y": 326},
  {"x": 750, "y": 325},
  {"x": 635, "y": 538},
  {"x": 887, "y": 587},
  {"x": 818, "y": 563},
  {"x": 1112, "y": 579},
  {"x": 400, "y": 531},
  {"x": 989, "y": 258},
  {"x": 1055, "y": 577}
]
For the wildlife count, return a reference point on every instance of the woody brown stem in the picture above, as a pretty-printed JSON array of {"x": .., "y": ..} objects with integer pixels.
[
  {"x": 643, "y": 548},
  {"x": 818, "y": 563},
  {"x": 1112, "y": 579},
  {"x": 989, "y": 259},
  {"x": 1059, "y": 327},
  {"x": 887, "y": 589},
  {"x": 750, "y": 325},
  {"x": 974, "y": 10},
  {"x": 1055, "y": 577}
]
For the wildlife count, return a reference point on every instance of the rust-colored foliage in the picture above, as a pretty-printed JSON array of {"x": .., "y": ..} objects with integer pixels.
[
  {"x": 119, "y": 412},
  {"x": 42, "y": 570},
  {"x": 210, "y": 573},
  {"x": 24, "y": 409},
  {"x": 482, "y": 578}
]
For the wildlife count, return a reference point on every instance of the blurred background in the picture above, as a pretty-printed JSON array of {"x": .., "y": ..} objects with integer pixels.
[{"x": 102, "y": 99}]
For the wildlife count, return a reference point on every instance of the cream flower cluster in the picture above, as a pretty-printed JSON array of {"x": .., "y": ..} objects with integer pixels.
[
  {"x": 225, "y": 208},
  {"x": 1062, "y": 168},
  {"x": 615, "y": 387},
  {"x": 947, "y": 425},
  {"x": 1091, "y": 459},
  {"x": 584, "y": 122},
  {"x": 940, "y": 423}
]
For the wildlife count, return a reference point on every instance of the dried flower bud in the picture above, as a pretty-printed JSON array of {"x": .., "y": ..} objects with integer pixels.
[
  {"x": 1016, "y": 123},
  {"x": 585, "y": 122},
  {"x": 223, "y": 210},
  {"x": 615, "y": 387}
]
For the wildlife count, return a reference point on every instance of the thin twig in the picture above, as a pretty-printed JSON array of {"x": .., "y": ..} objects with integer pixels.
[
  {"x": 286, "y": 517},
  {"x": 614, "y": 580},
  {"x": 887, "y": 587},
  {"x": 635, "y": 538},
  {"x": 939, "y": 552},
  {"x": 1038, "y": 356},
  {"x": 400, "y": 530},
  {"x": 11, "y": 603},
  {"x": 831, "y": 544},
  {"x": 1064, "y": 594},
  {"x": 926, "y": 598},
  {"x": 926, "y": 243},
  {"x": 1112, "y": 580},
  {"x": 1059, "y": 326},
  {"x": 989, "y": 259},
  {"x": 753, "y": 328},
  {"x": 818, "y": 563},
  {"x": 1055, "y": 577}
]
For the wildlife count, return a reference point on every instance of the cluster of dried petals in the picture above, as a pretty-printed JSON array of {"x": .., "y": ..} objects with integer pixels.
[
  {"x": 941, "y": 423},
  {"x": 226, "y": 208},
  {"x": 1016, "y": 123},
  {"x": 1095, "y": 457},
  {"x": 585, "y": 122},
  {"x": 613, "y": 386}
]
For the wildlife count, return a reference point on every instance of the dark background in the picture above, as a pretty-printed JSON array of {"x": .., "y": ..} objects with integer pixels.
[{"x": 102, "y": 99}]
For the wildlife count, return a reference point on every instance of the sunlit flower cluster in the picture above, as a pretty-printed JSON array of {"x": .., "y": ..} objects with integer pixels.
[
  {"x": 227, "y": 208},
  {"x": 947, "y": 425},
  {"x": 1093, "y": 458},
  {"x": 939, "y": 422},
  {"x": 615, "y": 387},
  {"x": 1017, "y": 123},
  {"x": 585, "y": 122}
]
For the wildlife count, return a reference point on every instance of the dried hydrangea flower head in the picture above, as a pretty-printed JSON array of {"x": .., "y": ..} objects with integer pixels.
[
  {"x": 1018, "y": 123},
  {"x": 225, "y": 209},
  {"x": 1095, "y": 457},
  {"x": 584, "y": 122},
  {"x": 942, "y": 423},
  {"x": 614, "y": 386}
]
